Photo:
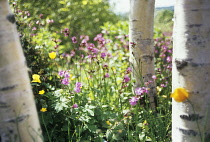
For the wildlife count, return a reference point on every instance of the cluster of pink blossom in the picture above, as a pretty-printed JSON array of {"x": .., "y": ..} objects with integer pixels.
[
  {"x": 65, "y": 32},
  {"x": 163, "y": 55},
  {"x": 100, "y": 40},
  {"x": 126, "y": 76},
  {"x": 66, "y": 76},
  {"x": 78, "y": 87},
  {"x": 74, "y": 39},
  {"x": 140, "y": 91}
]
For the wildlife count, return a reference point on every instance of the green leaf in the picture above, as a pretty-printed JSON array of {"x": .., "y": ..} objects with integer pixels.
[{"x": 91, "y": 113}]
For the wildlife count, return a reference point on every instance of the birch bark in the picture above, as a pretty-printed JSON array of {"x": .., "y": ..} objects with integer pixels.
[
  {"x": 191, "y": 70},
  {"x": 141, "y": 49},
  {"x": 18, "y": 116}
]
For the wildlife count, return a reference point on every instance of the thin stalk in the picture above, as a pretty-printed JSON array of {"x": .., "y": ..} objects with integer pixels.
[{"x": 46, "y": 129}]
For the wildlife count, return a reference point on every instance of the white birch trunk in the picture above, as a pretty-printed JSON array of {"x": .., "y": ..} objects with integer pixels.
[
  {"x": 18, "y": 116},
  {"x": 142, "y": 53},
  {"x": 191, "y": 70}
]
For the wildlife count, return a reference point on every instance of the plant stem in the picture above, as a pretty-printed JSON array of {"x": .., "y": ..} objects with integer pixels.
[{"x": 46, "y": 129}]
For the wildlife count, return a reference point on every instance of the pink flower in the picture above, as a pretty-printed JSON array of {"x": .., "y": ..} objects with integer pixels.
[
  {"x": 169, "y": 59},
  {"x": 85, "y": 37},
  {"x": 154, "y": 77},
  {"x": 72, "y": 53},
  {"x": 65, "y": 81},
  {"x": 133, "y": 101},
  {"x": 141, "y": 90},
  {"x": 78, "y": 87},
  {"x": 105, "y": 65},
  {"x": 66, "y": 32},
  {"x": 74, "y": 39},
  {"x": 95, "y": 50},
  {"x": 75, "y": 106},
  {"x": 126, "y": 78},
  {"x": 162, "y": 85},
  {"x": 34, "y": 28},
  {"x": 106, "y": 75},
  {"x": 128, "y": 70},
  {"x": 66, "y": 74},
  {"x": 99, "y": 36},
  {"x": 40, "y": 15},
  {"x": 103, "y": 55},
  {"x": 61, "y": 73},
  {"x": 50, "y": 21},
  {"x": 84, "y": 42}
]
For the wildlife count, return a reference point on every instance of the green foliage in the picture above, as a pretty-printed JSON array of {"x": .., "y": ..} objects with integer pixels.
[
  {"x": 82, "y": 17},
  {"x": 163, "y": 20},
  {"x": 100, "y": 110}
]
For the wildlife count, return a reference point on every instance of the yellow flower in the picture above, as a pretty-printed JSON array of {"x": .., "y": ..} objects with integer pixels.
[
  {"x": 52, "y": 55},
  {"x": 180, "y": 94},
  {"x": 41, "y": 92},
  {"x": 36, "y": 78},
  {"x": 108, "y": 123},
  {"x": 43, "y": 109}
]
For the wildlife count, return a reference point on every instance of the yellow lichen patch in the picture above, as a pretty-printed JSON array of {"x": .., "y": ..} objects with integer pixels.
[{"x": 180, "y": 94}]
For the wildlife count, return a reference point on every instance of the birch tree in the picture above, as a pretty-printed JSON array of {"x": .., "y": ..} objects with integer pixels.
[
  {"x": 141, "y": 45},
  {"x": 18, "y": 116},
  {"x": 191, "y": 72}
]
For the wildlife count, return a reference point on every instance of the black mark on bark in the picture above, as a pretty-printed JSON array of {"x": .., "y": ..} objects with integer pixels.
[
  {"x": 147, "y": 57},
  {"x": 7, "y": 88},
  {"x": 3, "y": 105},
  {"x": 194, "y": 25},
  {"x": 180, "y": 64},
  {"x": 195, "y": 9},
  {"x": 17, "y": 119},
  {"x": 191, "y": 117},
  {"x": 188, "y": 132},
  {"x": 11, "y": 18}
]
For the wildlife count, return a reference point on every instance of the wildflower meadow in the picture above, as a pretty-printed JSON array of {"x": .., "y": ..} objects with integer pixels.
[{"x": 83, "y": 85}]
